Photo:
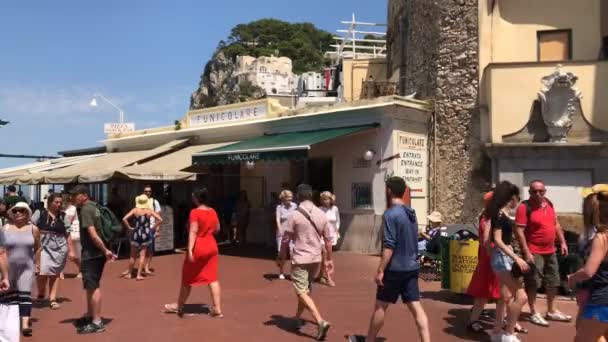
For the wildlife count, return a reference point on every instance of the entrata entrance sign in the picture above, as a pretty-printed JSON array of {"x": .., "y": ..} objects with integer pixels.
[
  {"x": 117, "y": 128},
  {"x": 413, "y": 165}
]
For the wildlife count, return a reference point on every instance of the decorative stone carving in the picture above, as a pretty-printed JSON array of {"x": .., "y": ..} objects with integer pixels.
[{"x": 559, "y": 101}]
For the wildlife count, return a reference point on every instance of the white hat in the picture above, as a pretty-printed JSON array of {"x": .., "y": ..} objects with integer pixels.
[
  {"x": 435, "y": 217},
  {"x": 19, "y": 205}
]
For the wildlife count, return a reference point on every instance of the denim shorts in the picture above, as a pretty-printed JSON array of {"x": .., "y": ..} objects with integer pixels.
[
  {"x": 501, "y": 262},
  {"x": 596, "y": 312}
]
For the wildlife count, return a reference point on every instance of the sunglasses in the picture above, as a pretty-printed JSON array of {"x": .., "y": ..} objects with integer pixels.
[
  {"x": 536, "y": 191},
  {"x": 147, "y": 191},
  {"x": 19, "y": 211}
]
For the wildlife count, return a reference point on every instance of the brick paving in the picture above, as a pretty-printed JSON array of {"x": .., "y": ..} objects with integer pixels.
[{"x": 258, "y": 307}]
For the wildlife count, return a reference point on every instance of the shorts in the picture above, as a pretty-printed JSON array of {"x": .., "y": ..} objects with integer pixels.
[
  {"x": 302, "y": 277},
  {"x": 404, "y": 284},
  {"x": 92, "y": 270},
  {"x": 546, "y": 273},
  {"x": 500, "y": 261},
  {"x": 596, "y": 312}
]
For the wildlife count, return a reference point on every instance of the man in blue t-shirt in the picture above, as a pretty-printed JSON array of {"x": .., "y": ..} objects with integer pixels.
[{"x": 397, "y": 274}]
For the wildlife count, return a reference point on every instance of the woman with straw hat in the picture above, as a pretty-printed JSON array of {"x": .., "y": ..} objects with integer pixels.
[
  {"x": 21, "y": 241},
  {"x": 141, "y": 232}
]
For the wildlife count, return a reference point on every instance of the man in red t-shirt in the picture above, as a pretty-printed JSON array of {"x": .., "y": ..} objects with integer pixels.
[{"x": 537, "y": 229}]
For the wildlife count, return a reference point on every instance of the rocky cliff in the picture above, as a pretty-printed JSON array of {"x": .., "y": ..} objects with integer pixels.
[
  {"x": 220, "y": 86},
  {"x": 302, "y": 42}
]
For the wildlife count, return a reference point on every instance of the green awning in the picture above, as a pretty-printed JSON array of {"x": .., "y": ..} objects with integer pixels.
[{"x": 291, "y": 146}]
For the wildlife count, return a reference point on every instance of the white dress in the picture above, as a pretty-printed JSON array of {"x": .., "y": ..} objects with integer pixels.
[{"x": 333, "y": 217}]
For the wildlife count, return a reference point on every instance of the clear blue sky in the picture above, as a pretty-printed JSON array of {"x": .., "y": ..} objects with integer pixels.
[{"x": 147, "y": 56}]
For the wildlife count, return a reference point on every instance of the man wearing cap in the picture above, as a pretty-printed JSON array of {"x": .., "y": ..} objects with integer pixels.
[
  {"x": 94, "y": 256},
  {"x": 306, "y": 228}
]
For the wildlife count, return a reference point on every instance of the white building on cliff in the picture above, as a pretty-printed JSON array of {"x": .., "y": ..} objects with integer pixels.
[{"x": 273, "y": 74}]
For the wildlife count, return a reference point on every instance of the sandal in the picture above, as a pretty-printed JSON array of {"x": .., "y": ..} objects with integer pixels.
[
  {"x": 476, "y": 327},
  {"x": 173, "y": 309},
  {"x": 27, "y": 332},
  {"x": 215, "y": 314},
  {"x": 54, "y": 305},
  {"x": 518, "y": 328}
]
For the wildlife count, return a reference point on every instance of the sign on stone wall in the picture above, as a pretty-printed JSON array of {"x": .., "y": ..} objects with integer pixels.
[
  {"x": 210, "y": 117},
  {"x": 413, "y": 162},
  {"x": 165, "y": 240}
]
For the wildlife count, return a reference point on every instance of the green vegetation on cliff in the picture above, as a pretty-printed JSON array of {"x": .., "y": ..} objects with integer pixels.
[{"x": 302, "y": 42}]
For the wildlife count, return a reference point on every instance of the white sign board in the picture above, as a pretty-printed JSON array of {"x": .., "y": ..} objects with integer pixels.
[
  {"x": 117, "y": 128},
  {"x": 164, "y": 241},
  {"x": 244, "y": 113},
  {"x": 413, "y": 162}
]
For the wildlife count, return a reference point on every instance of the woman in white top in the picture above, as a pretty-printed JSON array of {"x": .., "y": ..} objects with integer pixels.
[
  {"x": 333, "y": 217},
  {"x": 71, "y": 217},
  {"x": 284, "y": 210}
]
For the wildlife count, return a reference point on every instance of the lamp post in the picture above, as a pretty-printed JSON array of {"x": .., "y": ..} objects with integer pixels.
[{"x": 94, "y": 104}]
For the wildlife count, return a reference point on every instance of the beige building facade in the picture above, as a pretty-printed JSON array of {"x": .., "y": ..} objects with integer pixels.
[{"x": 543, "y": 113}]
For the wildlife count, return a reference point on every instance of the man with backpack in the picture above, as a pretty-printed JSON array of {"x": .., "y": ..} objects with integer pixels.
[
  {"x": 537, "y": 230},
  {"x": 94, "y": 229}
]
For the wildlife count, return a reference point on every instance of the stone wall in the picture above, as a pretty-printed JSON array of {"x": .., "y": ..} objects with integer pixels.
[{"x": 441, "y": 64}]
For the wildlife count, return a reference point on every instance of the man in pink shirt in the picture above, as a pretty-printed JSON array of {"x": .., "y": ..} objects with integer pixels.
[
  {"x": 537, "y": 230},
  {"x": 307, "y": 227}
]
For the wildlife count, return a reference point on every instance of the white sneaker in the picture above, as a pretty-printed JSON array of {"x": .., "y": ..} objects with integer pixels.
[
  {"x": 281, "y": 276},
  {"x": 509, "y": 338},
  {"x": 496, "y": 337}
]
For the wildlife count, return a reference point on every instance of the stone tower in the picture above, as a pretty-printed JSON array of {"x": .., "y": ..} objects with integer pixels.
[{"x": 433, "y": 52}]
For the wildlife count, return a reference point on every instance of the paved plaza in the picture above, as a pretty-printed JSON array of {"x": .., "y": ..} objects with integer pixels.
[{"x": 258, "y": 307}]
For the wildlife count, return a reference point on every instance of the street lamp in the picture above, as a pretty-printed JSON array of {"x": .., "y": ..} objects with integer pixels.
[{"x": 94, "y": 104}]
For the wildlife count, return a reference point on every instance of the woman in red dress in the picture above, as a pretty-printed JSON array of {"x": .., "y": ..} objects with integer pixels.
[
  {"x": 200, "y": 264},
  {"x": 484, "y": 284}
]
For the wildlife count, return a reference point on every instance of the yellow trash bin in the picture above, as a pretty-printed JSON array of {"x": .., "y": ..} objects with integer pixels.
[{"x": 463, "y": 261}]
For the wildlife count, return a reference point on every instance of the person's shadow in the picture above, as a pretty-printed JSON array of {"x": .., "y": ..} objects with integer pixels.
[
  {"x": 274, "y": 276},
  {"x": 457, "y": 320},
  {"x": 106, "y": 321},
  {"x": 288, "y": 324},
  {"x": 361, "y": 338}
]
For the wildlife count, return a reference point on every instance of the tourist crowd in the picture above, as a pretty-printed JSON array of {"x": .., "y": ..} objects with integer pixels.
[{"x": 517, "y": 256}]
